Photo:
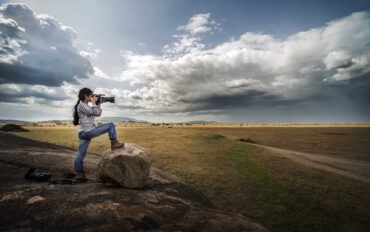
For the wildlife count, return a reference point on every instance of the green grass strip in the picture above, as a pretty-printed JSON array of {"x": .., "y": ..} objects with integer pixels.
[{"x": 283, "y": 210}]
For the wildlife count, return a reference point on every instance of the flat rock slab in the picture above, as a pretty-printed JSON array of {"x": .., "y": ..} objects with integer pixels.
[{"x": 164, "y": 204}]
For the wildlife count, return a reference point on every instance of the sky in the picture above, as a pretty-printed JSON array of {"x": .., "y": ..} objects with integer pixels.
[{"x": 180, "y": 60}]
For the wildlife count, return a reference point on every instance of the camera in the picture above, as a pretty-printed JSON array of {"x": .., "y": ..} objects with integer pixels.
[{"x": 106, "y": 99}]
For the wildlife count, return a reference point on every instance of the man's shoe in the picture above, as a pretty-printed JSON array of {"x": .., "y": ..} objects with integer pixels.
[
  {"x": 80, "y": 176},
  {"x": 116, "y": 145}
]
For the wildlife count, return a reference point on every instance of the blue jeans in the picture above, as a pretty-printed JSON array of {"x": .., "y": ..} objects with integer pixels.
[{"x": 85, "y": 138}]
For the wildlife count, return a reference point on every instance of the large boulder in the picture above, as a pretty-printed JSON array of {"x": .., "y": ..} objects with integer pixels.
[{"x": 128, "y": 166}]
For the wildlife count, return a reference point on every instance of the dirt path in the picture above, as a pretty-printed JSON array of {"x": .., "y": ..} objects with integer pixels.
[{"x": 355, "y": 169}]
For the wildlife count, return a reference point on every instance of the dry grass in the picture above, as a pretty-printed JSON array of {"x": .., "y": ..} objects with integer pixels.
[
  {"x": 278, "y": 193},
  {"x": 344, "y": 142}
]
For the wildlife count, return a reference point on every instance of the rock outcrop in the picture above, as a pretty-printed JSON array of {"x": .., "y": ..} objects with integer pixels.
[
  {"x": 164, "y": 204},
  {"x": 129, "y": 166}
]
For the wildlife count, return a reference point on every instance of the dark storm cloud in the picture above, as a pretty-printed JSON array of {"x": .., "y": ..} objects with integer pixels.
[
  {"x": 38, "y": 49},
  {"x": 244, "y": 100},
  {"x": 18, "y": 73},
  {"x": 256, "y": 70}
]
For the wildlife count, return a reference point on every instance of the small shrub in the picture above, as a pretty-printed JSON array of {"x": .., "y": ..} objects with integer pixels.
[
  {"x": 13, "y": 128},
  {"x": 246, "y": 140}
]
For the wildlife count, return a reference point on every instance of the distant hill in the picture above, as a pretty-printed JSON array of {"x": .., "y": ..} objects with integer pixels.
[
  {"x": 56, "y": 121},
  {"x": 13, "y": 121},
  {"x": 98, "y": 119},
  {"x": 117, "y": 119},
  {"x": 199, "y": 122}
]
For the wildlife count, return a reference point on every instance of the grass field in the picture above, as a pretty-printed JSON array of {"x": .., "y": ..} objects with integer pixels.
[{"x": 274, "y": 191}]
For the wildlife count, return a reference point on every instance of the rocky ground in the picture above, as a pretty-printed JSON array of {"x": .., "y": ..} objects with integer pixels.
[{"x": 165, "y": 204}]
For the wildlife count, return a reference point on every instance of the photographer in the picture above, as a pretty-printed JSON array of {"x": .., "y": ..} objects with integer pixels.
[{"x": 84, "y": 115}]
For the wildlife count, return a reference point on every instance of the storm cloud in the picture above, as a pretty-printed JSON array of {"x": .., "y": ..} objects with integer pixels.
[
  {"x": 37, "y": 49},
  {"x": 255, "y": 69}
]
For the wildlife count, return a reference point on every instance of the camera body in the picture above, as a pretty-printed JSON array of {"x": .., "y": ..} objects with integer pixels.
[{"x": 106, "y": 99}]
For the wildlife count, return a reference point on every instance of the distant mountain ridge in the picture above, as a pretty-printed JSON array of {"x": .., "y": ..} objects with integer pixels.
[
  {"x": 101, "y": 119},
  {"x": 200, "y": 122},
  {"x": 98, "y": 119},
  {"x": 13, "y": 121},
  {"x": 127, "y": 119},
  {"x": 118, "y": 119}
]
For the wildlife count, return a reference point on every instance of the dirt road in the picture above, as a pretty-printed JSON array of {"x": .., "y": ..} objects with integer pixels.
[{"x": 355, "y": 169}]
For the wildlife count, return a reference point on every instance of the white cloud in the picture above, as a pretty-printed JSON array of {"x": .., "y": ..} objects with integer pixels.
[
  {"x": 357, "y": 66},
  {"x": 240, "y": 83},
  {"x": 255, "y": 69},
  {"x": 24, "y": 93},
  {"x": 190, "y": 41},
  {"x": 99, "y": 73},
  {"x": 337, "y": 59},
  {"x": 10, "y": 43},
  {"x": 90, "y": 55},
  {"x": 199, "y": 23}
]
